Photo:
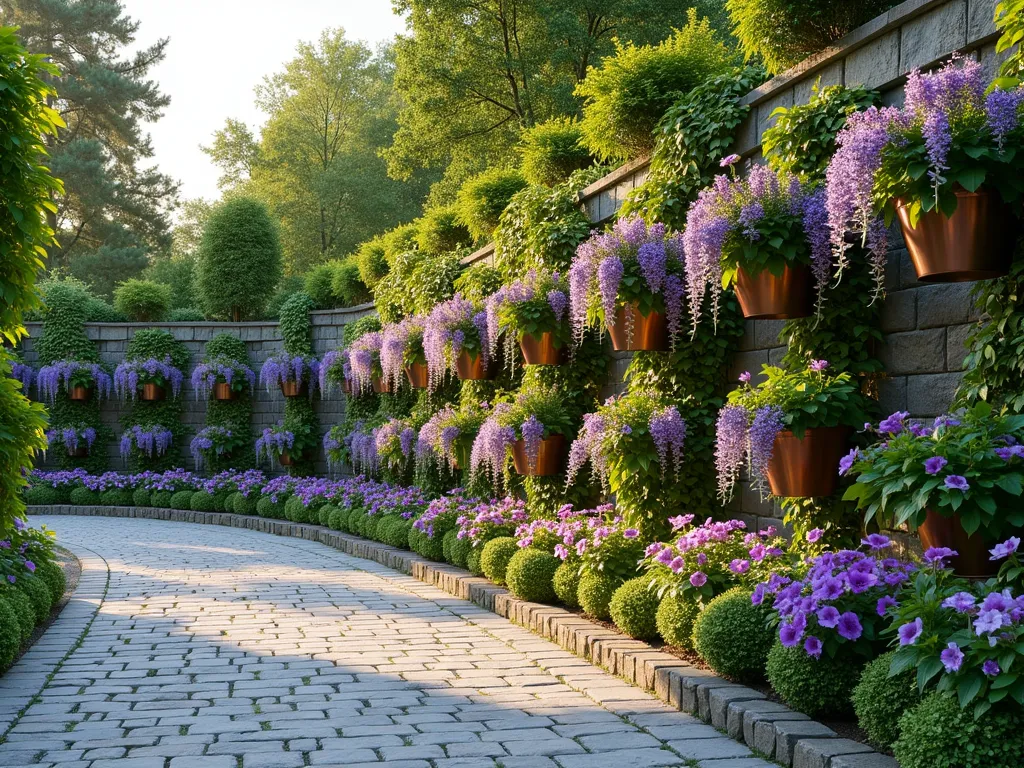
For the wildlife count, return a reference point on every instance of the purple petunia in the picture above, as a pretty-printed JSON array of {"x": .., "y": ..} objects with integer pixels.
[
  {"x": 849, "y": 626},
  {"x": 1005, "y": 549},
  {"x": 952, "y": 657},
  {"x": 991, "y": 668},
  {"x": 935, "y": 464},
  {"x": 957, "y": 482},
  {"x": 884, "y": 604},
  {"x": 910, "y": 632},
  {"x": 812, "y": 646},
  {"x": 961, "y": 602}
]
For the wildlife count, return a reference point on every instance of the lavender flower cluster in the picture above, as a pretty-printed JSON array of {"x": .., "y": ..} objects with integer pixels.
[
  {"x": 209, "y": 439},
  {"x": 282, "y": 369},
  {"x": 745, "y": 437},
  {"x": 130, "y": 375},
  {"x": 397, "y": 341},
  {"x": 70, "y": 437},
  {"x": 23, "y": 373},
  {"x": 363, "y": 358},
  {"x": 490, "y": 448},
  {"x": 149, "y": 441},
  {"x": 69, "y": 373},
  {"x": 534, "y": 285},
  {"x": 273, "y": 442},
  {"x": 225, "y": 370},
  {"x": 444, "y": 335}
]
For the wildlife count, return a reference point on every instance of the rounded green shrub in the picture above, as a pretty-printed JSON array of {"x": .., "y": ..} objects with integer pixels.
[
  {"x": 626, "y": 97},
  {"x": 295, "y": 510},
  {"x": 441, "y": 230},
  {"x": 83, "y": 497},
  {"x": 731, "y": 634},
  {"x": 398, "y": 241},
  {"x": 372, "y": 263},
  {"x": 595, "y": 594},
  {"x": 484, "y": 197},
  {"x": 323, "y": 515},
  {"x": 246, "y": 505},
  {"x": 339, "y": 519},
  {"x": 456, "y": 550},
  {"x": 430, "y": 547},
  {"x": 116, "y": 497},
  {"x": 347, "y": 284},
  {"x": 201, "y": 501},
  {"x": 817, "y": 687},
  {"x": 161, "y": 499},
  {"x": 495, "y": 557},
  {"x": 634, "y": 608},
  {"x": 567, "y": 583},
  {"x": 675, "y": 619},
  {"x": 267, "y": 508},
  {"x": 478, "y": 282},
  {"x": 879, "y": 700},
  {"x": 99, "y": 311},
  {"x": 53, "y": 575},
  {"x": 186, "y": 315},
  {"x": 370, "y": 524},
  {"x": 553, "y": 150},
  {"x": 20, "y": 602},
  {"x": 397, "y": 532},
  {"x": 229, "y": 501},
  {"x": 937, "y": 733},
  {"x": 319, "y": 284},
  {"x": 41, "y": 495},
  {"x": 143, "y": 301},
  {"x": 473, "y": 561},
  {"x": 141, "y": 497},
  {"x": 181, "y": 500},
  {"x": 530, "y": 575},
  {"x": 39, "y": 596},
  {"x": 10, "y": 633},
  {"x": 239, "y": 260}
]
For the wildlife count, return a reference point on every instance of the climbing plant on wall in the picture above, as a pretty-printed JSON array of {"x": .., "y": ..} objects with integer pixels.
[
  {"x": 299, "y": 416},
  {"x": 234, "y": 416}
]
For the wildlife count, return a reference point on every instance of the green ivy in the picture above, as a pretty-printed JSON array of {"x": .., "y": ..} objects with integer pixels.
[
  {"x": 299, "y": 416},
  {"x": 147, "y": 343},
  {"x": 235, "y": 415},
  {"x": 295, "y": 325}
]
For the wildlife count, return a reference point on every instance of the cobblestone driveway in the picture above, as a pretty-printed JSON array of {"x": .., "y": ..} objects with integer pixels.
[{"x": 225, "y": 648}]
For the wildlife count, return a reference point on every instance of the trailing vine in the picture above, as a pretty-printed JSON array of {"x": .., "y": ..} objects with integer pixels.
[
  {"x": 157, "y": 344},
  {"x": 233, "y": 415},
  {"x": 299, "y": 416}
]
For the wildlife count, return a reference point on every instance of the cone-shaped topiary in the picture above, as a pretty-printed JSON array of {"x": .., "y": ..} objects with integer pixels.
[
  {"x": 731, "y": 634},
  {"x": 816, "y": 687},
  {"x": 634, "y": 608},
  {"x": 495, "y": 557},
  {"x": 567, "y": 583},
  {"x": 239, "y": 262},
  {"x": 530, "y": 575},
  {"x": 675, "y": 619},
  {"x": 595, "y": 593},
  {"x": 879, "y": 700}
]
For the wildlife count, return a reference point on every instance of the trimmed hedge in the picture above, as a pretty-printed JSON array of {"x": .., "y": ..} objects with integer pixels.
[
  {"x": 634, "y": 609},
  {"x": 817, "y": 687},
  {"x": 732, "y": 635},
  {"x": 530, "y": 575}
]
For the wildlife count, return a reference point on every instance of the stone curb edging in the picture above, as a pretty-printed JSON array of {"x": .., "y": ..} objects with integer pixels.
[{"x": 770, "y": 728}]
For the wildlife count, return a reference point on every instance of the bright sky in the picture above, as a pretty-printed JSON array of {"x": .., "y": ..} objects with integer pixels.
[{"x": 219, "y": 50}]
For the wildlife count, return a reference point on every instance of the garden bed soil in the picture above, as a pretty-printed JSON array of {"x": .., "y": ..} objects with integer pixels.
[{"x": 72, "y": 572}]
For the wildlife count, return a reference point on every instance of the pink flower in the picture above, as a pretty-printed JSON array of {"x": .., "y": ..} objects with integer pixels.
[
  {"x": 728, "y": 161},
  {"x": 698, "y": 579}
]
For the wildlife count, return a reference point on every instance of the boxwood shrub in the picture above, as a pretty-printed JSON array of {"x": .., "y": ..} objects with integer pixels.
[
  {"x": 817, "y": 687},
  {"x": 675, "y": 620},
  {"x": 879, "y": 700},
  {"x": 732, "y": 635},
  {"x": 634, "y": 609},
  {"x": 246, "y": 505},
  {"x": 181, "y": 500},
  {"x": 495, "y": 557},
  {"x": 116, "y": 497},
  {"x": 141, "y": 497},
  {"x": 595, "y": 594},
  {"x": 530, "y": 575},
  {"x": 938, "y": 734},
  {"x": 83, "y": 497},
  {"x": 567, "y": 583},
  {"x": 10, "y": 632}
]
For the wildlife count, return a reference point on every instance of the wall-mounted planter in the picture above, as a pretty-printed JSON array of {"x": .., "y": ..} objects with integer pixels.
[
  {"x": 152, "y": 392},
  {"x": 223, "y": 391},
  {"x": 767, "y": 297},
  {"x": 972, "y": 560},
  {"x": 471, "y": 368},
  {"x": 293, "y": 388},
  {"x": 417, "y": 375},
  {"x": 379, "y": 387},
  {"x": 550, "y": 456},
  {"x": 78, "y": 453},
  {"x": 649, "y": 333},
  {"x": 80, "y": 394},
  {"x": 540, "y": 350},
  {"x": 975, "y": 243},
  {"x": 287, "y": 459},
  {"x": 807, "y": 466}
]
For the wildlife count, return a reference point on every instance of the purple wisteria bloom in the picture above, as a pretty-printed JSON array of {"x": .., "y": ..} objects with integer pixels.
[
  {"x": 65, "y": 374},
  {"x": 130, "y": 375},
  {"x": 149, "y": 441},
  {"x": 668, "y": 431}
]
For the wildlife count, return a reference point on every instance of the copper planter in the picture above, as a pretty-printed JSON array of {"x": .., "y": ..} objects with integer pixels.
[
  {"x": 470, "y": 368},
  {"x": 550, "y": 455},
  {"x": 292, "y": 388},
  {"x": 808, "y": 466},
  {"x": 649, "y": 333},
  {"x": 152, "y": 392},
  {"x": 223, "y": 391},
  {"x": 540, "y": 350},
  {"x": 972, "y": 560},
  {"x": 417, "y": 375},
  {"x": 379, "y": 387},
  {"x": 767, "y": 297},
  {"x": 346, "y": 386},
  {"x": 80, "y": 394},
  {"x": 975, "y": 243},
  {"x": 286, "y": 459}
]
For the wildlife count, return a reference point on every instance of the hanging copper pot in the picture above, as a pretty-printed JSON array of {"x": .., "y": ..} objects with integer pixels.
[
  {"x": 471, "y": 368},
  {"x": 550, "y": 455},
  {"x": 379, "y": 387},
  {"x": 151, "y": 392},
  {"x": 417, "y": 375},
  {"x": 292, "y": 388},
  {"x": 649, "y": 333},
  {"x": 807, "y": 466},
  {"x": 287, "y": 459},
  {"x": 223, "y": 391},
  {"x": 767, "y": 297},
  {"x": 78, "y": 453},
  {"x": 972, "y": 560},
  {"x": 346, "y": 386},
  {"x": 540, "y": 350},
  {"x": 975, "y": 243},
  {"x": 80, "y": 394}
]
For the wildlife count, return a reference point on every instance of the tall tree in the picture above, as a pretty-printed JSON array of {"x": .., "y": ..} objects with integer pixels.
[
  {"x": 315, "y": 163},
  {"x": 115, "y": 206},
  {"x": 471, "y": 74}
]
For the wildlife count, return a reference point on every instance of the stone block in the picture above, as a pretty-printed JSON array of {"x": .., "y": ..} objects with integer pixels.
[
  {"x": 757, "y": 712},
  {"x": 749, "y": 361},
  {"x": 956, "y": 345},
  {"x": 719, "y": 700},
  {"x": 112, "y": 332},
  {"x": 788, "y": 733},
  {"x": 866, "y": 760},
  {"x": 747, "y": 137},
  {"x": 933, "y": 35},
  {"x": 818, "y": 753},
  {"x": 943, "y": 304},
  {"x": 823, "y": 78},
  {"x": 915, "y": 352},
  {"x": 892, "y": 394},
  {"x": 981, "y": 19},
  {"x": 899, "y": 312},
  {"x": 775, "y": 355},
  {"x": 766, "y": 333},
  {"x": 931, "y": 395},
  {"x": 876, "y": 63},
  {"x": 764, "y": 110}
]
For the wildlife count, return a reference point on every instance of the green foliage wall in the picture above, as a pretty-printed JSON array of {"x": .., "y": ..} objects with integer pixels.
[
  {"x": 235, "y": 415},
  {"x": 147, "y": 343},
  {"x": 299, "y": 416}
]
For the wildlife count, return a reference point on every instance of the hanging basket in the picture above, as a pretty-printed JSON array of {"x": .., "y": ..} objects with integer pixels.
[
  {"x": 417, "y": 375},
  {"x": 223, "y": 391},
  {"x": 293, "y": 388},
  {"x": 152, "y": 392},
  {"x": 469, "y": 368},
  {"x": 540, "y": 350},
  {"x": 649, "y": 333},
  {"x": 379, "y": 387},
  {"x": 975, "y": 243},
  {"x": 550, "y": 456},
  {"x": 287, "y": 459},
  {"x": 807, "y": 466},
  {"x": 80, "y": 394},
  {"x": 767, "y": 297}
]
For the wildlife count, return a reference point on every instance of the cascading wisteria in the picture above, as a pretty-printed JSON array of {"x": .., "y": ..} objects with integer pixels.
[
  {"x": 68, "y": 373},
  {"x": 546, "y": 301},
  {"x": 436, "y": 441},
  {"x": 490, "y": 448},
  {"x": 449, "y": 326},
  {"x": 363, "y": 357},
  {"x": 283, "y": 368},
  {"x": 273, "y": 442},
  {"x": 747, "y": 437},
  {"x": 398, "y": 340},
  {"x": 209, "y": 439},
  {"x": 394, "y": 441},
  {"x": 362, "y": 449},
  {"x": 602, "y": 275},
  {"x": 70, "y": 437},
  {"x": 225, "y": 370},
  {"x": 334, "y": 368},
  {"x": 23, "y": 373},
  {"x": 334, "y": 443},
  {"x": 733, "y": 215},
  {"x": 150, "y": 441},
  {"x": 132, "y": 374}
]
